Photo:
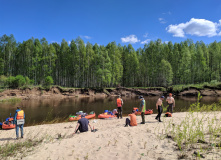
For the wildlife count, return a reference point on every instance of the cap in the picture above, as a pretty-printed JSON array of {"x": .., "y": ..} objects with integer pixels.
[
  {"x": 162, "y": 97},
  {"x": 83, "y": 115},
  {"x": 141, "y": 97}
]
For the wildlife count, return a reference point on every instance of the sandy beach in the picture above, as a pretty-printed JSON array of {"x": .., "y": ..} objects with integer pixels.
[{"x": 111, "y": 141}]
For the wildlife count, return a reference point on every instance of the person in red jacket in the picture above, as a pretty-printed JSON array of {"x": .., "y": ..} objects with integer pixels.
[{"x": 119, "y": 106}]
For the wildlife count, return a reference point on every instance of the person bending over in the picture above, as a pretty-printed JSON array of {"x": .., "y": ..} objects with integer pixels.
[
  {"x": 82, "y": 125},
  {"x": 132, "y": 121}
]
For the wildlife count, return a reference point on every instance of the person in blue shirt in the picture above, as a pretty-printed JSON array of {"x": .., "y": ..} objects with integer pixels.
[
  {"x": 82, "y": 124},
  {"x": 19, "y": 116}
]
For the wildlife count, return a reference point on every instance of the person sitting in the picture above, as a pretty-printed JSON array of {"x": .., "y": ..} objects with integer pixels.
[
  {"x": 132, "y": 121},
  {"x": 82, "y": 124}
]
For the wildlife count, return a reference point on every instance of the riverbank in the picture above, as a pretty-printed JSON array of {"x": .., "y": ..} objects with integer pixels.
[
  {"x": 59, "y": 92},
  {"x": 113, "y": 140}
]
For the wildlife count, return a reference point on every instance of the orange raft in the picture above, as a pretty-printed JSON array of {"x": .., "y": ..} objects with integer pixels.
[
  {"x": 149, "y": 111},
  {"x": 9, "y": 124},
  {"x": 103, "y": 116},
  {"x": 76, "y": 118}
]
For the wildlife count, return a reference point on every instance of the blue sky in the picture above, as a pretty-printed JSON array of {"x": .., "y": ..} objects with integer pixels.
[{"x": 103, "y": 21}]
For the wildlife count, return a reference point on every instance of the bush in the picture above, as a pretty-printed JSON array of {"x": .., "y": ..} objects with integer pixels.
[
  {"x": 48, "y": 81},
  {"x": 19, "y": 81},
  {"x": 10, "y": 82},
  {"x": 3, "y": 80},
  {"x": 15, "y": 82}
]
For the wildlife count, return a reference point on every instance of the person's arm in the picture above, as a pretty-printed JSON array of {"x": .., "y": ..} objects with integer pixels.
[
  {"x": 122, "y": 102},
  {"x": 15, "y": 116},
  {"x": 90, "y": 126},
  {"x": 76, "y": 128},
  {"x": 157, "y": 104}
]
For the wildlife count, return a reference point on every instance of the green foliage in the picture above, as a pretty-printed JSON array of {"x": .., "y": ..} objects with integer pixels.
[
  {"x": 48, "y": 81},
  {"x": 83, "y": 65}
]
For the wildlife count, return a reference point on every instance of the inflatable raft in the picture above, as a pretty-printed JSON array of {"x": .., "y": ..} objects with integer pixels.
[
  {"x": 76, "y": 118},
  {"x": 147, "y": 112},
  {"x": 8, "y": 124},
  {"x": 106, "y": 114}
]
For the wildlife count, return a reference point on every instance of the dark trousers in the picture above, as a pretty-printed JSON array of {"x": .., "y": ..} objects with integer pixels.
[
  {"x": 127, "y": 122},
  {"x": 160, "y": 110},
  {"x": 119, "y": 110},
  {"x": 170, "y": 107},
  {"x": 143, "y": 117},
  {"x": 79, "y": 129}
]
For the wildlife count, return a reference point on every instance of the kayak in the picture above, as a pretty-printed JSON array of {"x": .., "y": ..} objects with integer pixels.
[
  {"x": 147, "y": 112},
  {"x": 103, "y": 116},
  {"x": 9, "y": 124},
  {"x": 76, "y": 118}
]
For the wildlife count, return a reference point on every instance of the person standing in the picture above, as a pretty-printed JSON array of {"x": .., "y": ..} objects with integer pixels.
[
  {"x": 142, "y": 109},
  {"x": 119, "y": 106},
  {"x": 159, "y": 108},
  {"x": 171, "y": 102},
  {"x": 19, "y": 119}
]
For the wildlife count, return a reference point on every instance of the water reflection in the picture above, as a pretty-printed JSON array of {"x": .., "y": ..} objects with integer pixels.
[{"x": 40, "y": 110}]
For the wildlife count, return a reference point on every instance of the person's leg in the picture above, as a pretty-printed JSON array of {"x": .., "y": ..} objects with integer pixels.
[
  {"x": 78, "y": 129},
  {"x": 118, "y": 110},
  {"x": 17, "y": 130},
  {"x": 160, "y": 112},
  {"x": 171, "y": 108},
  {"x": 143, "y": 117},
  {"x": 168, "y": 108},
  {"x": 127, "y": 122},
  {"x": 121, "y": 112},
  {"x": 21, "y": 128}
]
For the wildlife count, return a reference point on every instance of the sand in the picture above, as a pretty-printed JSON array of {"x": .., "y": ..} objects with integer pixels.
[{"x": 112, "y": 141}]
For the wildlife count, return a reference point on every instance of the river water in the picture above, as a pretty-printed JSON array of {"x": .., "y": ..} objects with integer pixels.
[{"x": 37, "y": 111}]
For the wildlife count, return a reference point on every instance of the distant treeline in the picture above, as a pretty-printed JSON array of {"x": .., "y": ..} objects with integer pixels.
[{"x": 85, "y": 65}]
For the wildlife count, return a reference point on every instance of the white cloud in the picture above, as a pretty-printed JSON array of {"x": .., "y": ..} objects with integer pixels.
[
  {"x": 69, "y": 42},
  {"x": 145, "y": 35},
  {"x": 196, "y": 27},
  {"x": 130, "y": 39},
  {"x": 86, "y": 37},
  {"x": 166, "y": 42},
  {"x": 145, "y": 41},
  {"x": 162, "y": 20}
]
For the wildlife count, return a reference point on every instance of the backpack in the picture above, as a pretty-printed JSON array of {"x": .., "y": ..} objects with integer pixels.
[{"x": 168, "y": 114}]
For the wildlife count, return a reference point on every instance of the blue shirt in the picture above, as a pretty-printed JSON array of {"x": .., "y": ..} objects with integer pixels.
[
  {"x": 83, "y": 124},
  {"x": 16, "y": 112}
]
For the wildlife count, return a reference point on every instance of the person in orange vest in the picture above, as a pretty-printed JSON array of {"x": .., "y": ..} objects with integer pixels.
[
  {"x": 119, "y": 106},
  {"x": 19, "y": 118}
]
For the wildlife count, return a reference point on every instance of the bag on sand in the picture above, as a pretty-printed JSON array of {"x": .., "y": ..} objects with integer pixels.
[{"x": 168, "y": 114}]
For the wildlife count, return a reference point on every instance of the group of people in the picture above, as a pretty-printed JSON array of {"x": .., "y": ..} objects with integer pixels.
[
  {"x": 132, "y": 121},
  {"x": 83, "y": 123}
]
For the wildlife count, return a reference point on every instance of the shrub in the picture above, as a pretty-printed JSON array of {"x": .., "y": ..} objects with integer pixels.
[
  {"x": 48, "y": 81},
  {"x": 19, "y": 81},
  {"x": 3, "y": 80}
]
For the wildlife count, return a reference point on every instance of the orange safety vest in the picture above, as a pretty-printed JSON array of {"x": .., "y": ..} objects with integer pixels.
[
  {"x": 20, "y": 114},
  {"x": 119, "y": 102}
]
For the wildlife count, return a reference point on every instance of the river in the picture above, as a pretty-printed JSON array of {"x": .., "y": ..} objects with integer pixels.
[{"x": 37, "y": 111}]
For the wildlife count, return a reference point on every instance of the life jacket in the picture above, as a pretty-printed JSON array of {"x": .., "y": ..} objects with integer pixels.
[
  {"x": 119, "y": 102},
  {"x": 20, "y": 115},
  {"x": 168, "y": 114}
]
